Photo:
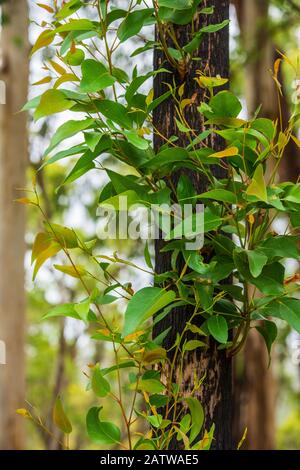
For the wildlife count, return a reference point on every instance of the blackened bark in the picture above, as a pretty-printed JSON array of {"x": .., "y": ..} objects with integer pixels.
[{"x": 215, "y": 394}]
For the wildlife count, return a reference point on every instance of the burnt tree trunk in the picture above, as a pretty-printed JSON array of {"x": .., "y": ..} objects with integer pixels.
[{"x": 215, "y": 394}]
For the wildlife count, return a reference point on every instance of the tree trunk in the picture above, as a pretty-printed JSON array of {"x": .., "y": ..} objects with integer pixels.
[
  {"x": 215, "y": 394},
  {"x": 255, "y": 400},
  {"x": 254, "y": 381},
  {"x": 13, "y": 161},
  {"x": 261, "y": 53}
]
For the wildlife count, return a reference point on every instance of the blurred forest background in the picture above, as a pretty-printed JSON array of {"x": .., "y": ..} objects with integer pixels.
[{"x": 47, "y": 358}]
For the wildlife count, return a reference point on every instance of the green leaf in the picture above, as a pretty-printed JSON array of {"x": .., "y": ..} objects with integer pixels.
[
  {"x": 293, "y": 193},
  {"x": 266, "y": 126},
  {"x": 257, "y": 187},
  {"x": 194, "y": 225},
  {"x": 256, "y": 262},
  {"x": 133, "y": 23},
  {"x": 176, "y": 4},
  {"x": 83, "y": 308},
  {"x": 222, "y": 195},
  {"x": 68, "y": 9},
  {"x": 128, "y": 197},
  {"x": 60, "y": 418},
  {"x": 213, "y": 28},
  {"x": 83, "y": 165},
  {"x": 66, "y": 310},
  {"x": 185, "y": 190},
  {"x": 150, "y": 386},
  {"x": 92, "y": 139},
  {"x": 270, "y": 281},
  {"x": 197, "y": 414},
  {"x": 101, "y": 432},
  {"x": 136, "y": 140},
  {"x": 64, "y": 235},
  {"x": 66, "y": 130},
  {"x": 280, "y": 246},
  {"x": 147, "y": 256},
  {"x": 155, "y": 420},
  {"x": 95, "y": 77},
  {"x": 116, "y": 112},
  {"x": 193, "y": 344},
  {"x": 268, "y": 330},
  {"x": 77, "y": 25},
  {"x": 125, "y": 182},
  {"x": 100, "y": 385},
  {"x": 285, "y": 308},
  {"x": 167, "y": 157},
  {"x": 32, "y": 104},
  {"x": 77, "y": 37},
  {"x": 183, "y": 16},
  {"x": 52, "y": 102},
  {"x": 115, "y": 15},
  {"x": 74, "y": 58},
  {"x": 143, "y": 305},
  {"x": 105, "y": 299},
  {"x": 77, "y": 149},
  {"x": 181, "y": 127},
  {"x": 218, "y": 328},
  {"x": 224, "y": 104}
]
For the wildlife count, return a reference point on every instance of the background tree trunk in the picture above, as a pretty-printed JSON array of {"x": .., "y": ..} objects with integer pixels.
[
  {"x": 255, "y": 391},
  {"x": 13, "y": 161},
  {"x": 216, "y": 392}
]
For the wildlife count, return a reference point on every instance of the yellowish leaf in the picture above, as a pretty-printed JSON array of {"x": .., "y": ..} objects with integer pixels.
[
  {"x": 60, "y": 418},
  {"x": 243, "y": 439},
  {"x": 67, "y": 77},
  {"x": 229, "y": 152},
  {"x": 42, "y": 81},
  {"x": 155, "y": 355},
  {"x": 25, "y": 200},
  {"x": 23, "y": 412},
  {"x": 58, "y": 68},
  {"x": 204, "y": 441},
  {"x": 211, "y": 82},
  {"x": 46, "y": 7},
  {"x": 73, "y": 271},
  {"x": 41, "y": 243},
  {"x": 257, "y": 187},
  {"x": 51, "y": 251},
  {"x": 149, "y": 97},
  {"x": 251, "y": 219},
  {"x": 185, "y": 103},
  {"x": 104, "y": 332},
  {"x": 296, "y": 140},
  {"x": 44, "y": 39},
  {"x": 133, "y": 336},
  {"x": 181, "y": 90}
]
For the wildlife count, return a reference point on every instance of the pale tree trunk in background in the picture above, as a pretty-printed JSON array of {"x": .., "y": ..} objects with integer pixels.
[
  {"x": 13, "y": 161},
  {"x": 254, "y": 382},
  {"x": 253, "y": 19},
  {"x": 255, "y": 388}
]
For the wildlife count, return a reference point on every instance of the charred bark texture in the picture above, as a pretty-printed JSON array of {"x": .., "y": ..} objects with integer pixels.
[{"x": 215, "y": 394}]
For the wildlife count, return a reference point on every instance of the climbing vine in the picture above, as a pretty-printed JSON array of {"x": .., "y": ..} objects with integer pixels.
[{"x": 112, "y": 113}]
